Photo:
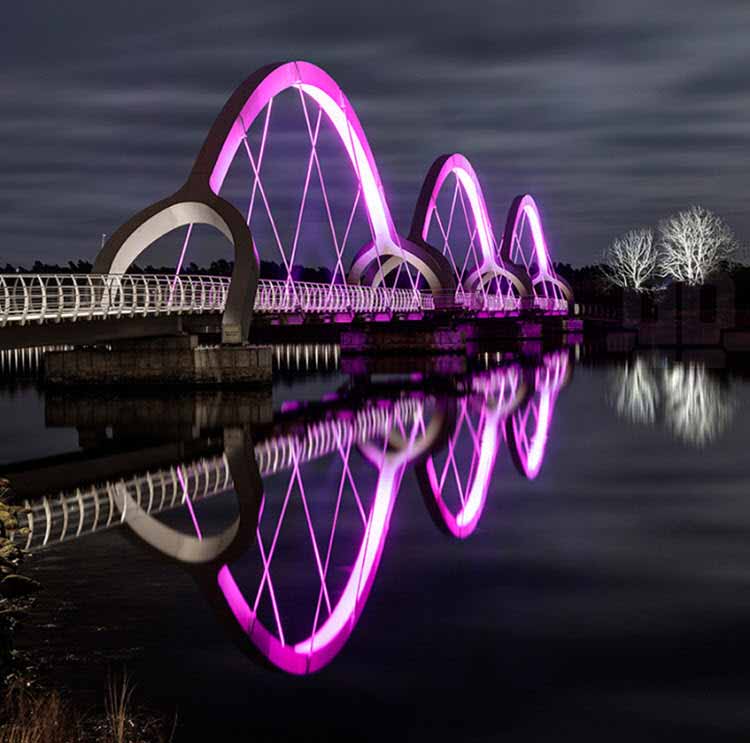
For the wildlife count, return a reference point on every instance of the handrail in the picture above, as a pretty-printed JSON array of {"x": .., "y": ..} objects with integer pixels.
[{"x": 40, "y": 298}]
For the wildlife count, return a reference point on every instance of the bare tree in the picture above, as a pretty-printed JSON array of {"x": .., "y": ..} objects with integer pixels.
[
  {"x": 631, "y": 261},
  {"x": 694, "y": 244}
]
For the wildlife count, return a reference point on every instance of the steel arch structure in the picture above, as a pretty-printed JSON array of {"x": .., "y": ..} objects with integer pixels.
[
  {"x": 483, "y": 278},
  {"x": 480, "y": 272},
  {"x": 550, "y": 291}
]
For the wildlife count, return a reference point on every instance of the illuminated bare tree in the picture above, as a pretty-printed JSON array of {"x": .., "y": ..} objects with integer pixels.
[
  {"x": 631, "y": 261},
  {"x": 694, "y": 244}
]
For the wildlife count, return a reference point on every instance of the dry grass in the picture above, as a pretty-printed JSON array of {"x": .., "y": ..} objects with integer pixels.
[
  {"x": 117, "y": 707},
  {"x": 45, "y": 717},
  {"x": 38, "y": 718}
]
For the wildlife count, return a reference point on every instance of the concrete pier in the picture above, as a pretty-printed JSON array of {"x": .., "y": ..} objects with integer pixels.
[
  {"x": 391, "y": 340},
  {"x": 179, "y": 360}
]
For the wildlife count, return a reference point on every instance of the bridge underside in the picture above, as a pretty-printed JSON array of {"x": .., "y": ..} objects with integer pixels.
[{"x": 107, "y": 330}]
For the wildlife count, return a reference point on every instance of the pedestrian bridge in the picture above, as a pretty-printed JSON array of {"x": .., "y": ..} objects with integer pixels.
[
  {"x": 452, "y": 259},
  {"x": 49, "y": 298}
]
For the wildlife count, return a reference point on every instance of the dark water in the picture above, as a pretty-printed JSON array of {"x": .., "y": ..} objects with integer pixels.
[{"x": 529, "y": 549}]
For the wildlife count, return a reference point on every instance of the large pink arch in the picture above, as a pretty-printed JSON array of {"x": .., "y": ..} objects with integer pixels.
[
  {"x": 199, "y": 200},
  {"x": 314, "y": 652},
  {"x": 250, "y": 98},
  {"x": 317, "y": 650}
]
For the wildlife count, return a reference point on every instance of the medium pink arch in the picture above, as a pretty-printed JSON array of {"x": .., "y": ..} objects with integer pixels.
[
  {"x": 524, "y": 205},
  {"x": 242, "y": 109},
  {"x": 462, "y": 524},
  {"x": 458, "y": 165}
]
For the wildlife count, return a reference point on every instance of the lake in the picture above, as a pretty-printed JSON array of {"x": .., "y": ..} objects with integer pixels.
[{"x": 521, "y": 546}]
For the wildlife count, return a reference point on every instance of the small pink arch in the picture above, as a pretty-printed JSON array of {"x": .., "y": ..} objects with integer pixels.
[{"x": 525, "y": 206}]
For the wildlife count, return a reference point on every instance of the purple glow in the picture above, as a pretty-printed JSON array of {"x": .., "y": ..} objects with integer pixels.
[
  {"x": 319, "y": 86},
  {"x": 549, "y": 380},
  {"x": 459, "y": 166},
  {"x": 318, "y": 649},
  {"x": 506, "y": 386}
]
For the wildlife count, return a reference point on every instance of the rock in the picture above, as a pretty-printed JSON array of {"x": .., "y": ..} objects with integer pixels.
[
  {"x": 17, "y": 586},
  {"x": 9, "y": 551}
]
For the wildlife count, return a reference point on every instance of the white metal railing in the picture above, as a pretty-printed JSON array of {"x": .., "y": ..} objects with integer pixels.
[
  {"x": 85, "y": 510},
  {"x": 550, "y": 304},
  {"x": 29, "y": 298},
  {"x": 38, "y": 298},
  {"x": 307, "y": 297}
]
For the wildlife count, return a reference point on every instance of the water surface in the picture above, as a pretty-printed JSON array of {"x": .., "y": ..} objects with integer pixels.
[{"x": 527, "y": 548}]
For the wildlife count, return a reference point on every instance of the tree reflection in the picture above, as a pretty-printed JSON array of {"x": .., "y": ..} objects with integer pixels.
[
  {"x": 690, "y": 402},
  {"x": 697, "y": 408},
  {"x": 636, "y": 392}
]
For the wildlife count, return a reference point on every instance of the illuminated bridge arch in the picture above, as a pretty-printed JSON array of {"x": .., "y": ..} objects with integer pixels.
[
  {"x": 477, "y": 264},
  {"x": 524, "y": 243},
  {"x": 463, "y": 266}
]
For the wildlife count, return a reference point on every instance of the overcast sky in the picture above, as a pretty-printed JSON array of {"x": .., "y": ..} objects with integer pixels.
[{"x": 613, "y": 114}]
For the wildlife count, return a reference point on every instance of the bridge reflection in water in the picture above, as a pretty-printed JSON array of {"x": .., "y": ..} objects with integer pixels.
[{"x": 316, "y": 489}]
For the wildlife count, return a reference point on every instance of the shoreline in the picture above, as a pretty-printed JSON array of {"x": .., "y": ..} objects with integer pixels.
[{"x": 16, "y": 589}]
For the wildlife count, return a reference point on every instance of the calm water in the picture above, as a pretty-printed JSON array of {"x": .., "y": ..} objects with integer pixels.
[{"x": 525, "y": 549}]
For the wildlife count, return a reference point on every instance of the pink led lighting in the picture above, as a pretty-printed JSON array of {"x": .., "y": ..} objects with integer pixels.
[
  {"x": 318, "y": 649},
  {"x": 459, "y": 166},
  {"x": 509, "y": 391},
  {"x": 463, "y": 524},
  {"x": 524, "y": 211},
  {"x": 319, "y": 86},
  {"x": 528, "y": 449}
]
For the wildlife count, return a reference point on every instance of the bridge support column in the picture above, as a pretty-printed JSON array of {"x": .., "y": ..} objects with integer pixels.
[
  {"x": 161, "y": 361},
  {"x": 501, "y": 329},
  {"x": 383, "y": 339}
]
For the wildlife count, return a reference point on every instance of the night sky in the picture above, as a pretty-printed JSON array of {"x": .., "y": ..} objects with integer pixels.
[{"x": 613, "y": 114}]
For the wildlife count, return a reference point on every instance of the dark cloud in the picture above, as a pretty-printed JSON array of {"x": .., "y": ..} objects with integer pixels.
[{"x": 611, "y": 114}]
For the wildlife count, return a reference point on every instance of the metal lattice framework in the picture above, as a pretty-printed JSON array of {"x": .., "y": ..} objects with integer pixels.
[
  {"x": 465, "y": 236},
  {"x": 458, "y": 485}
]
